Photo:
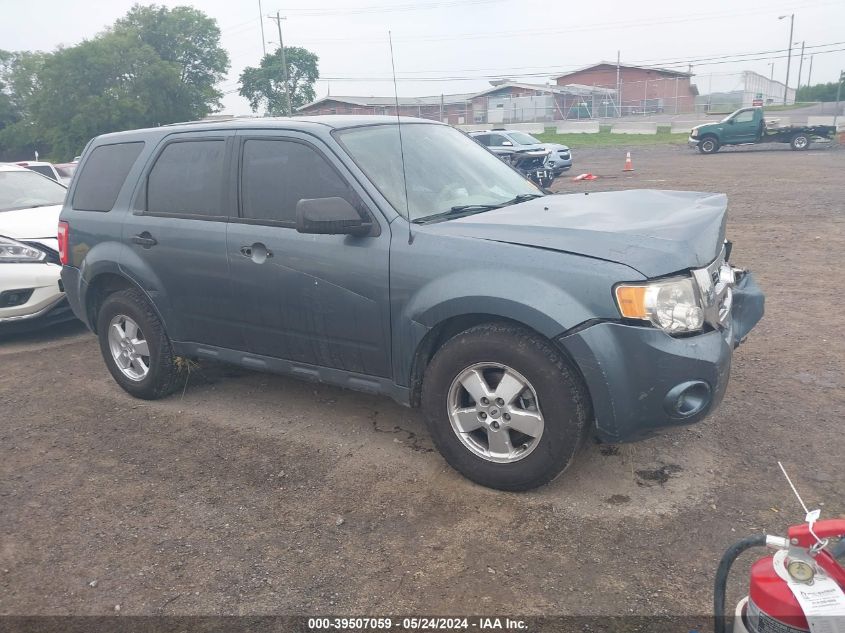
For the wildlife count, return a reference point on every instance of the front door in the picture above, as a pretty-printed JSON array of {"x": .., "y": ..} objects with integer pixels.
[
  {"x": 742, "y": 128},
  {"x": 176, "y": 239},
  {"x": 314, "y": 299}
]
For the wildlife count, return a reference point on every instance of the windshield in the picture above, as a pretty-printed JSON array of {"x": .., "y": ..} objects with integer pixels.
[
  {"x": 444, "y": 168},
  {"x": 27, "y": 189},
  {"x": 524, "y": 139}
]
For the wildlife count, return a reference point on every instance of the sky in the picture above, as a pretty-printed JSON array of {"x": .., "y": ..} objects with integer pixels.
[{"x": 457, "y": 46}]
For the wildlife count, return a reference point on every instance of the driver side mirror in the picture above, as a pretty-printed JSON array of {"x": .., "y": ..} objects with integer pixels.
[
  {"x": 731, "y": 121},
  {"x": 507, "y": 144},
  {"x": 329, "y": 216}
]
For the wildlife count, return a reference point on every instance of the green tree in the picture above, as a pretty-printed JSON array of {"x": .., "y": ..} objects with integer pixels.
[
  {"x": 818, "y": 92},
  {"x": 113, "y": 82},
  {"x": 190, "y": 40},
  {"x": 19, "y": 137},
  {"x": 265, "y": 86},
  {"x": 153, "y": 66}
]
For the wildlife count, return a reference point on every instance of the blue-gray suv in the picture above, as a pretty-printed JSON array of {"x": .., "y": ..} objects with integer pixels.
[{"x": 406, "y": 260}]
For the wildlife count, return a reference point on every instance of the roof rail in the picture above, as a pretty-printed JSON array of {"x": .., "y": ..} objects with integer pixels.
[{"x": 217, "y": 119}]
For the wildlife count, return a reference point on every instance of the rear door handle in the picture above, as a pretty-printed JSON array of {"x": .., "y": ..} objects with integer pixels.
[{"x": 144, "y": 239}]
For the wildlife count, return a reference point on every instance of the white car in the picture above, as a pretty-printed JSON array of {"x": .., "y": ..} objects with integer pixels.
[
  {"x": 45, "y": 169},
  {"x": 30, "y": 288}
]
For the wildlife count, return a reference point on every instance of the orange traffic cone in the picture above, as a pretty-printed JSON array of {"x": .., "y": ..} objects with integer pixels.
[{"x": 629, "y": 166}]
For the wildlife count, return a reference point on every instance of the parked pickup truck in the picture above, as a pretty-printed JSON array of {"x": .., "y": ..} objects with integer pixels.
[{"x": 748, "y": 126}]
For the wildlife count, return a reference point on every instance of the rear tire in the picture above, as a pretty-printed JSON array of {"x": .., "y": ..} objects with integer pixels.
[
  {"x": 800, "y": 142},
  {"x": 518, "y": 442},
  {"x": 135, "y": 346},
  {"x": 708, "y": 145}
]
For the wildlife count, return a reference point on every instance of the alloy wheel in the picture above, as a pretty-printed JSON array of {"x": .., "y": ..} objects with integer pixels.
[
  {"x": 129, "y": 348},
  {"x": 494, "y": 411}
]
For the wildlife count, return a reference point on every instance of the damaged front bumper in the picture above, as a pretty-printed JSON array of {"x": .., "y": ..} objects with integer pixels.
[{"x": 641, "y": 379}]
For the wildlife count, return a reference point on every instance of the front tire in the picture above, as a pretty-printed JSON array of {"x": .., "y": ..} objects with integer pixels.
[
  {"x": 708, "y": 145},
  {"x": 504, "y": 407},
  {"x": 800, "y": 142},
  {"x": 135, "y": 346}
]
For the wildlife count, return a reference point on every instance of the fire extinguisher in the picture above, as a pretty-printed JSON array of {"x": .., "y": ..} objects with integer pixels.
[{"x": 801, "y": 581}]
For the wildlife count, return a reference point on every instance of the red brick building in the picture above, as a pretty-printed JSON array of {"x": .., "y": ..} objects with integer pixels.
[{"x": 641, "y": 88}]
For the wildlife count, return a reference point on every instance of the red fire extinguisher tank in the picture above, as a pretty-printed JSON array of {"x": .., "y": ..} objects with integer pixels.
[{"x": 771, "y": 604}]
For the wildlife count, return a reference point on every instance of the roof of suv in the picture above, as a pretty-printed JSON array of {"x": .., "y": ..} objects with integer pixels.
[{"x": 331, "y": 121}]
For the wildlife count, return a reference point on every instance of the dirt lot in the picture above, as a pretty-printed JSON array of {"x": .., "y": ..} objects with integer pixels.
[{"x": 256, "y": 494}]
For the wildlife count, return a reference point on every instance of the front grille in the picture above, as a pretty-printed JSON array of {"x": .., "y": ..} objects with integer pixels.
[{"x": 715, "y": 283}]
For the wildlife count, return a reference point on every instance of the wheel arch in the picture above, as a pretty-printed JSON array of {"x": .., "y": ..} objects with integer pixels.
[
  {"x": 105, "y": 284},
  {"x": 449, "y": 327}
]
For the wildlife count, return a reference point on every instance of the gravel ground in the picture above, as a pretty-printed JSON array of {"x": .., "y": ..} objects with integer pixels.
[{"x": 256, "y": 494}]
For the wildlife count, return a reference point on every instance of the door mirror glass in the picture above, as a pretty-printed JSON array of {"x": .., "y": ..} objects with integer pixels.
[
  {"x": 507, "y": 143},
  {"x": 329, "y": 216}
]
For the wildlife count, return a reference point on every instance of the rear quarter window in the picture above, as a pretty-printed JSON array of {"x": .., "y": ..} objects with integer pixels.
[{"x": 103, "y": 175}]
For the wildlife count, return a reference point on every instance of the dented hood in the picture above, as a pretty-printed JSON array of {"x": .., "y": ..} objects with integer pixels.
[{"x": 654, "y": 232}]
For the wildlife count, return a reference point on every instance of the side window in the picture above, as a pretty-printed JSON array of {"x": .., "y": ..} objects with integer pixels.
[
  {"x": 484, "y": 139},
  {"x": 744, "y": 117},
  {"x": 277, "y": 174},
  {"x": 188, "y": 178},
  {"x": 102, "y": 178},
  {"x": 497, "y": 140}
]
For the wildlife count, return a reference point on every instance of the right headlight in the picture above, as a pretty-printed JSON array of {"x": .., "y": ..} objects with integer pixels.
[
  {"x": 670, "y": 304},
  {"x": 13, "y": 252}
]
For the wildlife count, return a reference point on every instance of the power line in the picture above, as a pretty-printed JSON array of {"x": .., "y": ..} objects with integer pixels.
[
  {"x": 597, "y": 26},
  {"x": 719, "y": 60},
  {"x": 312, "y": 12}
]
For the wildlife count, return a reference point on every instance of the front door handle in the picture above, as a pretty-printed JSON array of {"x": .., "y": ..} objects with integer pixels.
[
  {"x": 256, "y": 252},
  {"x": 144, "y": 239}
]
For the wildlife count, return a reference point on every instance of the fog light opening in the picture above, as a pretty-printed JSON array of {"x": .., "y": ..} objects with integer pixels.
[{"x": 687, "y": 399}]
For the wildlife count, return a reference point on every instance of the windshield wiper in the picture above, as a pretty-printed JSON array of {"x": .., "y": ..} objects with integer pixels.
[
  {"x": 463, "y": 210},
  {"x": 521, "y": 198},
  {"x": 457, "y": 211}
]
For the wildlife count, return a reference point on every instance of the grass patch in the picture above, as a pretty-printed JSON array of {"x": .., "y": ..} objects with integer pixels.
[
  {"x": 768, "y": 108},
  {"x": 605, "y": 139}
]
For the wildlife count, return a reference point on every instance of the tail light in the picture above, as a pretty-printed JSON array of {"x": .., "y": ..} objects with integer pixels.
[{"x": 64, "y": 230}]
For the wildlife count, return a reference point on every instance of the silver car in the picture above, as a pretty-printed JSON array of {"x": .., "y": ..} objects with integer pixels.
[{"x": 502, "y": 142}]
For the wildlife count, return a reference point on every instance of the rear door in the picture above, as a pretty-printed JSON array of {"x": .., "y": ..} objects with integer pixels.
[
  {"x": 315, "y": 299},
  {"x": 176, "y": 237}
]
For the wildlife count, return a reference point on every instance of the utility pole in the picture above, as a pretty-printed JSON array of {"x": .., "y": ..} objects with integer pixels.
[
  {"x": 810, "y": 72},
  {"x": 618, "y": 85},
  {"x": 261, "y": 22},
  {"x": 278, "y": 20},
  {"x": 838, "y": 94},
  {"x": 676, "y": 94},
  {"x": 800, "y": 68},
  {"x": 791, "y": 17}
]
